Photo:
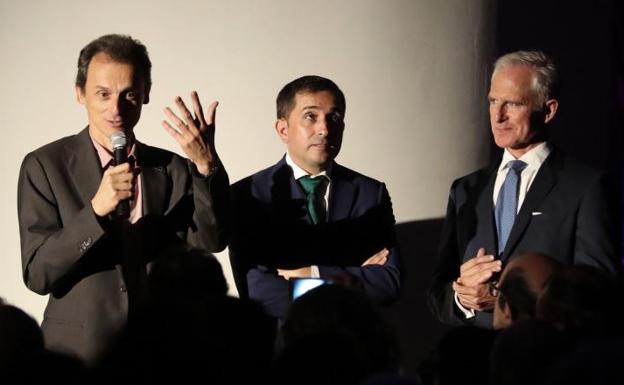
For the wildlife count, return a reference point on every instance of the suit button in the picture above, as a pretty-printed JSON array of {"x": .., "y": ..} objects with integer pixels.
[
  {"x": 122, "y": 288},
  {"x": 84, "y": 245}
]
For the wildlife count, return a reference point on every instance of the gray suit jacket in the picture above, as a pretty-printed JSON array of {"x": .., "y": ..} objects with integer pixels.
[
  {"x": 92, "y": 269},
  {"x": 566, "y": 215}
]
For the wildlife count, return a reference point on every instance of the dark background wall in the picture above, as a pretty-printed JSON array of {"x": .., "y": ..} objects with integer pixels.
[{"x": 586, "y": 38}]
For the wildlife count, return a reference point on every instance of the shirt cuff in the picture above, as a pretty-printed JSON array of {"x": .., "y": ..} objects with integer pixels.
[
  {"x": 315, "y": 272},
  {"x": 469, "y": 313}
]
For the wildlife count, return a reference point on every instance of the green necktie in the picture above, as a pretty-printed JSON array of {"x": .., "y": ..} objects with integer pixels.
[{"x": 313, "y": 188}]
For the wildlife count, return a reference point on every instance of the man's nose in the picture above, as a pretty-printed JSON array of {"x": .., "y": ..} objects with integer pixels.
[
  {"x": 322, "y": 127},
  {"x": 501, "y": 113},
  {"x": 115, "y": 105}
]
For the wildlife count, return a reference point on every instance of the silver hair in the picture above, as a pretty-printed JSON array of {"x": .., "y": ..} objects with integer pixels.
[{"x": 544, "y": 72}]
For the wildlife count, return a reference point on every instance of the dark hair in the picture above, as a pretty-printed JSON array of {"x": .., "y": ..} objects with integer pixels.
[
  {"x": 525, "y": 352},
  {"x": 581, "y": 300},
  {"x": 308, "y": 83},
  {"x": 516, "y": 293},
  {"x": 121, "y": 49}
]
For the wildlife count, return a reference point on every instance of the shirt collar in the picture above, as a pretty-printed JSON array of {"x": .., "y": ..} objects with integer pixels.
[
  {"x": 105, "y": 156},
  {"x": 298, "y": 172},
  {"x": 533, "y": 158}
]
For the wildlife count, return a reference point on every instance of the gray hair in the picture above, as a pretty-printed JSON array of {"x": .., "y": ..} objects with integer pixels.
[{"x": 544, "y": 72}]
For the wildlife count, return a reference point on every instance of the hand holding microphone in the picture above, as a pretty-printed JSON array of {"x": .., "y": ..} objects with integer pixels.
[{"x": 117, "y": 182}]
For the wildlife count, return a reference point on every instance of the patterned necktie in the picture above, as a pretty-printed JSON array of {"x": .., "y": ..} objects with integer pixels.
[
  {"x": 507, "y": 203},
  {"x": 315, "y": 196}
]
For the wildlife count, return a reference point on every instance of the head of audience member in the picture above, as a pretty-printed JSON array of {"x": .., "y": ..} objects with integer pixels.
[
  {"x": 336, "y": 328},
  {"x": 460, "y": 357},
  {"x": 521, "y": 282},
  {"x": 20, "y": 336},
  {"x": 310, "y": 121},
  {"x": 183, "y": 273},
  {"x": 525, "y": 353},
  {"x": 594, "y": 361},
  {"x": 50, "y": 367},
  {"x": 221, "y": 340},
  {"x": 522, "y": 100},
  {"x": 582, "y": 301},
  {"x": 113, "y": 82}
]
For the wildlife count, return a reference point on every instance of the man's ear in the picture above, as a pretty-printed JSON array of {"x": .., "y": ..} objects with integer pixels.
[
  {"x": 281, "y": 127},
  {"x": 506, "y": 311},
  {"x": 550, "y": 109},
  {"x": 80, "y": 97}
]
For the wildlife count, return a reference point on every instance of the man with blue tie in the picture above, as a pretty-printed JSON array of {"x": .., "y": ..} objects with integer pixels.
[
  {"x": 534, "y": 200},
  {"x": 308, "y": 216}
]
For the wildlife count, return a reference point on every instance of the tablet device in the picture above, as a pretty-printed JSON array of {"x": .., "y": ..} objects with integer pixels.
[{"x": 299, "y": 286}]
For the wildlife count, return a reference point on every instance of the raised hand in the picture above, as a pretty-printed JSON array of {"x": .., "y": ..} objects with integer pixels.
[{"x": 194, "y": 132}]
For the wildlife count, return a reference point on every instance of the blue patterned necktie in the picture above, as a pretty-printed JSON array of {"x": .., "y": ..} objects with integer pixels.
[
  {"x": 507, "y": 203},
  {"x": 315, "y": 197}
]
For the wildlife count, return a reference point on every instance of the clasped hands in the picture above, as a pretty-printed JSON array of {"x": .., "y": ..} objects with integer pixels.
[
  {"x": 472, "y": 286},
  {"x": 195, "y": 135}
]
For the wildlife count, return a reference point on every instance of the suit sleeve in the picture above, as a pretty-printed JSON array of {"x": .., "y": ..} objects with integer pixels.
[
  {"x": 382, "y": 283},
  {"x": 597, "y": 229},
  {"x": 51, "y": 244},
  {"x": 440, "y": 296},
  {"x": 269, "y": 289},
  {"x": 210, "y": 224}
]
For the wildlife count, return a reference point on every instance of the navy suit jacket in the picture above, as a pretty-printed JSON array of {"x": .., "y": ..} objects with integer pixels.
[
  {"x": 272, "y": 229},
  {"x": 566, "y": 214}
]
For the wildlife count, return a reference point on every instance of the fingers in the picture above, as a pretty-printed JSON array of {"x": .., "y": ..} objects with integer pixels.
[
  {"x": 480, "y": 273},
  {"x": 478, "y": 259},
  {"x": 197, "y": 108},
  {"x": 473, "y": 291},
  {"x": 172, "y": 131},
  {"x": 379, "y": 258},
  {"x": 191, "y": 122},
  {"x": 212, "y": 110},
  {"x": 181, "y": 128},
  {"x": 120, "y": 178},
  {"x": 474, "y": 297},
  {"x": 476, "y": 303},
  {"x": 119, "y": 169},
  {"x": 479, "y": 269},
  {"x": 302, "y": 272},
  {"x": 116, "y": 185}
]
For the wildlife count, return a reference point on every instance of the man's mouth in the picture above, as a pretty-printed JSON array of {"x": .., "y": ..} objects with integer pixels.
[
  {"x": 323, "y": 146},
  {"x": 116, "y": 123}
]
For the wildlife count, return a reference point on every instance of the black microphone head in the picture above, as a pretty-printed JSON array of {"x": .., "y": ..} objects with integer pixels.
[{"x": 118, "y": 140}]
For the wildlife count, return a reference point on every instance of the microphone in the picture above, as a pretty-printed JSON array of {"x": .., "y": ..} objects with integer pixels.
[{"x": 120, "y": 156}]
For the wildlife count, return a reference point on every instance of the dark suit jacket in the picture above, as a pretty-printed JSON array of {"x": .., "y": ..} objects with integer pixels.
[
  {"x": 272, "y": 229},
  {"x": 566, "y": 215},
  {"x": 89, "y": 266}
]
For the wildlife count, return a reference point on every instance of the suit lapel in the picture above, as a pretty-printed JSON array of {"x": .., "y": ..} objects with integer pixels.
[
  {"x": 287, "y": 198},
  {"x": 341, "y": 195},
  {"x": 542, "y": 184},
  {"x": 153, "y": 181},
  {"x": 84, "y": 166},
  {"x": 486, "y": 228}
]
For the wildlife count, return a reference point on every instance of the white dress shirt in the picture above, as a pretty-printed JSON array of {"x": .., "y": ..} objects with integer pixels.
[{"x": 299, "y": 173}]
